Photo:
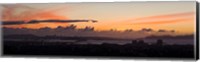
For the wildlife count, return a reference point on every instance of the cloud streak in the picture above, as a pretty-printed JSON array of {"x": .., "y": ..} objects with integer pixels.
[
  {"x": 44, "y": 21},
  {"x": 176, "y": 15},
  {"x": 165, "y": 19},
  {"x": 26, "y": 13}
]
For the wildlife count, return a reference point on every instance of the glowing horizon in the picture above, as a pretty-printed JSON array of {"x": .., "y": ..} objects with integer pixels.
[{"x": 178, "y": 16}]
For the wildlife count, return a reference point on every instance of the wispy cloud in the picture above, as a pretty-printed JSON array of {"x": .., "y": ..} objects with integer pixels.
[
  {"x": 165, "y": 19},
  {"x": 44, "y": 21},
  {"x": 26, "y": 13},
  {"x": 176, "y": 15}
]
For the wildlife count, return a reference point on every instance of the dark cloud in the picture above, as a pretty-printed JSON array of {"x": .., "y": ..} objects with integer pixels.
[
  {"x": 44, "y": 21},
  {"x": 162, "y": 30},
  {"x": 172, "y": 31},
  {"x": 147, "y": 30},
  {"x": 13, "y": 22}
]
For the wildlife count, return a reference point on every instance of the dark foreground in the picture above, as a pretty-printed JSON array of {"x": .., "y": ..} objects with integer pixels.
[{"x": 71, "y": 49}]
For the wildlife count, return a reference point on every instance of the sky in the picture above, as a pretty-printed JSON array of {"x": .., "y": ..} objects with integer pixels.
[{"x": 178, "y": 16}]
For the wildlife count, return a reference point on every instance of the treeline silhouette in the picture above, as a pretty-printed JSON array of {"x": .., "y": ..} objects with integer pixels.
[{"x": 138, "y": 48}]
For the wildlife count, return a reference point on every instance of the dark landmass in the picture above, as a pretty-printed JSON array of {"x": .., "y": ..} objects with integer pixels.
[
  {"x": 135, "y": 49},
  {"x": 191, "y": 36},
  {"x": 34, "y": 37},
  {"x": 30, "y": 44}
]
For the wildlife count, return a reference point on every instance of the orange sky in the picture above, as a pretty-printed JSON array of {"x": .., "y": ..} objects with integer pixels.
[
  {"x": 180, "y": 19},
  {"x": 180, "y": 22}
]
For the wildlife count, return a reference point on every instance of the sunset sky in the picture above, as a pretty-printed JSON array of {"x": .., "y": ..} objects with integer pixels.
[{"x": 178, "y": 16}]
